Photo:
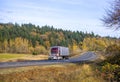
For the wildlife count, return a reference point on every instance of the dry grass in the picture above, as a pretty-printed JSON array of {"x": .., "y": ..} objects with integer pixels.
[
  {"x": 7, "y": 57},
  {"x": 101, "y": 56},
  {"x": 51, "y": 73}
]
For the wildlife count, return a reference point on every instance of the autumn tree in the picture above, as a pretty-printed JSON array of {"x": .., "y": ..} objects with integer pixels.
[
  {"x": 21, "y": 45},
  {"x": 96, "y": 44},
  {"x": 112, "y": 17},
  {"x": 39, "y": 49},
  {"x": 5, "y": 46}
]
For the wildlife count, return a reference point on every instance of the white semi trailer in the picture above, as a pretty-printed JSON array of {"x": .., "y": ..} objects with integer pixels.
[{"x": 59, "y": 52}]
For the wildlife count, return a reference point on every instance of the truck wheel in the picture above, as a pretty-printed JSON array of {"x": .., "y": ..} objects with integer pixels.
[{"x": 66, "y": 57}]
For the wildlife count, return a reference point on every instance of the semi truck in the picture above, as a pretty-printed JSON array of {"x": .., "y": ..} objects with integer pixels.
[{"x": 59, "y": 52}]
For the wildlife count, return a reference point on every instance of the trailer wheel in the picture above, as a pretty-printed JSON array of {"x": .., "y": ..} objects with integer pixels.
[{"x": 66, "y": 57}]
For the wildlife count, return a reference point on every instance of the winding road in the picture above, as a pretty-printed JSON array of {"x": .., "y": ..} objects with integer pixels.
[{"x": 88, "y": 56}]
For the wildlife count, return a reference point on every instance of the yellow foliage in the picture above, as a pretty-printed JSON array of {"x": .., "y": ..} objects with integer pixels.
[
  {"x": 21, "y": 45},
  {"x": 40, "y": 49},
  {"x": 33, "y": 33},
  {"x": 31, "y": 49},
  {"x": 47, "y": 44},
  {"x": 5, "y": 45},
  {"x": 75, "y": 46},
  {"x": 94, "y": 44}
]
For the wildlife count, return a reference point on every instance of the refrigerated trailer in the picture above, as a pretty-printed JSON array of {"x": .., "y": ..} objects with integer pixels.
[{"x": 59, "y": 52}]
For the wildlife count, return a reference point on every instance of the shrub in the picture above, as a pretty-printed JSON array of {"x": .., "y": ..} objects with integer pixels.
[
  {"x": 111, "y": 72},
  {"x": 113, "y": 49},
  {"x": 34, "y": 53}
]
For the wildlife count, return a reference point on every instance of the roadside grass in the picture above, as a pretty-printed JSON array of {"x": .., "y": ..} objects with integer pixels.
[
  {"x": 9, "y": 57},
  {"x": 51, "y": 73}
]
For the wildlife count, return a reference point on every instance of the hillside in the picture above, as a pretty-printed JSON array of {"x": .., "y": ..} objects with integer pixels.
[
  {"x": 28, "y": 38},
  {"x": 32, "y": 39}
]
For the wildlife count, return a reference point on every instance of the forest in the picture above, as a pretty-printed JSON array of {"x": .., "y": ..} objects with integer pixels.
[
  {"x": 28, "y": 38},
  {"x": 32, "y": 39}
]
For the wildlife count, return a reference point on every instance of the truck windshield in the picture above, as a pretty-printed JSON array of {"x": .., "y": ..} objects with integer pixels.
[{"x": 54, "y": 50}]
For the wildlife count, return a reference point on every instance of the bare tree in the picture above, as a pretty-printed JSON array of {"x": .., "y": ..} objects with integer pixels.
[{"x": 112, "y": 17}]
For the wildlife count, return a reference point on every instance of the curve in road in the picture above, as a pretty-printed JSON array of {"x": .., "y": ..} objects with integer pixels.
[{"x": 88, "y": 56}]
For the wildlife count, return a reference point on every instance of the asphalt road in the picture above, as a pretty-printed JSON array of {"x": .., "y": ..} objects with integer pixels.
[{"x": 88, "y": 56}]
